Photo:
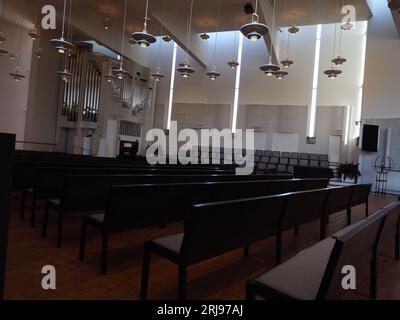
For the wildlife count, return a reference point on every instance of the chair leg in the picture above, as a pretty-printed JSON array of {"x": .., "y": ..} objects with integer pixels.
[
  {"x": 374, "y": 279},
  {"x": 182, "y": 282},
  {"x": 45, "y": 220},
  {"x": 348, "y": 216},
  {"x": 397, "y": 246},
  {"x": 33, "y": 212},
  {"x": 104, "y": 253},
  {"x": 23, "y": 204},
  {"x": 250, "y": 295},
  {"x": 246, "y": 251},
  {"x": 82, "y": 246},
  {"x": 366, "y": 209},
  {"x": 145, "y": 272},
  {"x": 60, "y": 227}
]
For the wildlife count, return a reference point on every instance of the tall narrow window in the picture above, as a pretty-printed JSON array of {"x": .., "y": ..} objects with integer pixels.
[
  {"x": 237, "y": 85},
  {"x": 314, "y": 94},
  {"x": 172, "y": 85}
]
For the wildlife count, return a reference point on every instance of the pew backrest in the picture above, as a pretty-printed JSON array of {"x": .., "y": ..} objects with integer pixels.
[{"x": 360, "y": 194}]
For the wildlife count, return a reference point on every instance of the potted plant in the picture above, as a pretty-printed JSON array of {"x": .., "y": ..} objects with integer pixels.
[{"x": 349, "y": 171}]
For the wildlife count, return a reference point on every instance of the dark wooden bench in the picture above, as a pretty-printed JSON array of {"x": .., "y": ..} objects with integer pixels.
[
  {"x": 316, "y": 273},
  {"x": 127, "y": 200},
  {"x": 212, "y": 230}
]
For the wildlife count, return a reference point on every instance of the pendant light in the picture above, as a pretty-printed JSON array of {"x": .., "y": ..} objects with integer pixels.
[
  {"x": 107, "y": 24},
  {"x": 158, "y": 76},
  {"x": 212, "y": 73},
  {"x": 65, "y": 74},
  {"x": 110, "y": 76},
  {"x": 270, "y": 67},
  {"x": 333, "y": 73},
  {"x": 293, "y": 29},
  {"x": 120, "y": 73},
  {"x": 287, "y": 63},
  {"x": 34, "y": 33},
  {"x": 61, "y": 44},
  {"x": 38, "y": 53},
  {"x": 254, "y": 30},
  {"x": 184, "y": 68},
  {"x": 339, "y": 60},
  {"x": 2, "y": 36},
  {"x": 144, "y": 39},
  {"x": 204, "y": 36},
  {"x": 233, "y": 64},
  {"x": 280, "y": 74},
  {"x": 167, "y": 39},
  {"x": 17, "y": 75}
]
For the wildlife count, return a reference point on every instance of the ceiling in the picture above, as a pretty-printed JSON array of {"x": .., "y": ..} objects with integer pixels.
[{"x": 205, "y": 17}]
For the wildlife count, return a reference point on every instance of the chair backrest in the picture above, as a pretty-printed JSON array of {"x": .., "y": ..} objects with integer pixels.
[
  {"x": 265, "y": 159},
  {"x": 284, "y": 161},
  {"x": 360, "y": 194},
  {"x": 282, "y": 168},
  {"x": 295, "y": 155},
  {"x": 355, "y": 246},
  {"x": 324, "y": 164},
  {"x": 314, "y": 163},
  {"x": 274, "y": 160},
  {"x": 276, "y": 154},
  {"x": 293, "y": 162},
  {"x": 303, "y": 163},
  {"x": 259, "y": 153},
  {"x": 267, "y": 153},
  {"x": 314, "y": 157},
  {"x": 262, "y": 166},
  {"x": 216, "y": 228},
  {"x": 303, "y": 207},
  {"x": 339, "y": 199},
  {"x": 304, "y": 156},
  {"x": 324, "y": 157},
  {"x": 285, "y": 155},
  {"x": 391, "y": 227}
]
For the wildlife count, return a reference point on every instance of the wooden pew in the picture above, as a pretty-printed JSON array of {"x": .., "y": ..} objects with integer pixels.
[
  {"x": 316, "y": 273},
  {"x": 83, "y": 194},
  {"x": 49, "y": 182},
  {"x": 179, "y": 198}
]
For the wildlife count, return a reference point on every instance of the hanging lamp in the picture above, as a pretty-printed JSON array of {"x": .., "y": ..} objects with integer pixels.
[
  {"x": 34, "y": 33},
  {"x": 270, "y": 67},
  {"x": 280, "y": 74},
  {"x": 65, "y": 74},
  {"x": 339, "y": 60},
  {"x": 121, "y": 73},
  {"x": 2, "y": 38},
  {"x": 184, "y": 68},
  {"x": 167, "y": 39},
  {"x": 254, "y": 30},
  {"x": 293, "y": 29},
  {"x": 158, "y": 76},
  {"x": 212, "y": 73},
  {"x": 333, "y": 73},
  {"x": 233, "y": 63},
  {"x": 17, "y": 75},
  {"x": 144, "y": 39},
  {"x": 38, "y": 53},
  {"x": 110, "y": 76},
  {"x": 61, "y": 44},
  {"x": 287, "y": 63}
]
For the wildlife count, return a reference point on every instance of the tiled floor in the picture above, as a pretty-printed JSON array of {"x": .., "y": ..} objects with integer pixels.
[{"x": 220, "y": 278}]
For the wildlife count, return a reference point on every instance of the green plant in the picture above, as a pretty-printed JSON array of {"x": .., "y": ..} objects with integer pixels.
[{"x": 349, "y": 171}]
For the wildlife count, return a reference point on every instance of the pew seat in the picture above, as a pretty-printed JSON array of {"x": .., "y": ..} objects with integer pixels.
[{"x": 303, "y": 284}]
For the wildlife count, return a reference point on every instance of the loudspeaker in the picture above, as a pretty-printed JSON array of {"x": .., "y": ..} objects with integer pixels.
[{"x": 370, "y": 138}]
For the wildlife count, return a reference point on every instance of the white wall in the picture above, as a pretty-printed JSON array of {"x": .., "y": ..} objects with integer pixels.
[
  {"x": 14, "y": 95},
  {"x": 382, "y": 85}
]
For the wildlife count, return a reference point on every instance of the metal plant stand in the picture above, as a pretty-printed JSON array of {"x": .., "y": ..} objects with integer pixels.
[{"x": 382, "y": 170}]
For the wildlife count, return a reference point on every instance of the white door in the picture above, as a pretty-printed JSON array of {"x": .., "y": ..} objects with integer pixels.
[
  {"x": 260, "y": 141},
  {"x": 287, "y": 142},
  {"x": 335, "y": 143}
]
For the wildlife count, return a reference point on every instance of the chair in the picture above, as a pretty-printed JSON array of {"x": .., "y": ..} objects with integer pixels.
[
  {"x": 282, "y": 168},
  {"x": 228, "y": 226},
  {"x": 293, "y": 162},
  {"x": 276, "y": 154},
  {"x": 324, "y": 164},
  {"x": 314, "y": 157},
  {"x": 314, "y": 163},
  {"x": 284, "y": 161},
  {"x": 324, "y": 157},
  {"x": 304, "y": 163},
  {"x": 265, "y": 159},
  {"x": 316, "y": 273},
  {"x": 295, "y": 155},
  {"x": 285, "y": 155},
  {"x": 267, "y": 153},
  {"x": 304, "y": 156},
  {"x": 274, "y": 160},
  {"x": 361, "y": 196}
]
